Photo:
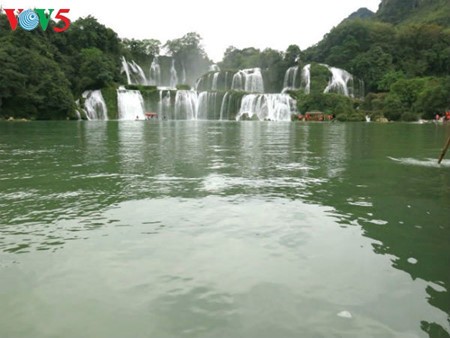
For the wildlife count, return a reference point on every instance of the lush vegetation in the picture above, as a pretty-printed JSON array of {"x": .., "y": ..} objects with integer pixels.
[
  {"x": 43, "y": 73},
  {"x": 403, "y": 60}
]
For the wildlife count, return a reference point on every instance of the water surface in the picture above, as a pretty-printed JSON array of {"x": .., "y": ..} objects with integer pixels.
[{"x": 209, "y": 229}]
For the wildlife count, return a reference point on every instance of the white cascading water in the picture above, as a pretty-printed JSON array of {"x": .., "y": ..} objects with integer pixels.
[
  {"x": 290, "y": 78},
  {"x": 238, "y": 81},
  {"x": 214, "y": 81},
  {"x": 207, "y": 106},
  {"x": 224, "y": 107},
  {"x": 164, "y": 106},
  {"x": 202, "y": 109},
  {"x": 126, "y": 69},
  {"x": 183, "y": 74},
  {"x": 249, "y": 80},
  {"x": 140, "y": 73},
  {"x": 186, "y": 103},
  {"x": 214, "y": 68},
  {"x": 339, "y": 81},
  {"x": 94, "y": 105},
  {"x": 306, "y": 79},
  {"x": 131, "y": 104},
  {"x": 269, "y": 107},
  {"x": 134, "y": 72},
  {"x": 155, "y": 73},
  {"x": 173, "y": 75}
]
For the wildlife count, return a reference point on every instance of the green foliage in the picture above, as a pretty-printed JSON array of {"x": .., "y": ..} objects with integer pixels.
[
  {"x": 189, "y": 54},
  {"x": 183, "y": 87},
  {"x": 320, "y": 76},
  {"x": 141, "y": 50},
  {"x": 422, "y": 11},
  {"x": 329, "y": 103},
  {"x": 110, "y": 96},
  {"x": 32, "y": 83},
  {"x": 96, "y": 69}
]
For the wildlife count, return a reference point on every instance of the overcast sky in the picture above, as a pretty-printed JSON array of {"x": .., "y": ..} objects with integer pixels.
[{"x": 239, "y": 23}]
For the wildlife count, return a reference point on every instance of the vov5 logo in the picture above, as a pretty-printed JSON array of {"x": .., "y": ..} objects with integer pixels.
[{"x": 30, "y": 19}]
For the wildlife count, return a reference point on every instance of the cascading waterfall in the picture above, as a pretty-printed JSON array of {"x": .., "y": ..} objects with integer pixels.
[
  {"x": 238, "y": 81},
  {"x": 94, "y": 105},
  {"x": 183, "y": 74},
  {"x": 126, "y": 69},
  {"x": 214, "y": 81},
  {"x": 214, "y": 101},
  {"x": 209, "y": 105},
  {"x": 230, "y": 106},
  {"x": 214, "y": 68},
  {"x": 140, "y": 72},
  {"x": 290, "y": 78},
  {"x": 173, "y": 75},
  {"x": 224, "y": 107},
  {"x": 267, "y": 107},
  {"x": 155, "y": 73},
  {"x": 249, "y": 80},
  {"x": 164, "y": 104},
  {"x": 340, "y": 82},
  {"x": 130, "y": 104},
  {"x": 306, "y": 79},
  {"x": 186, "y": 103},
  {"x": 134, "y": 72}
]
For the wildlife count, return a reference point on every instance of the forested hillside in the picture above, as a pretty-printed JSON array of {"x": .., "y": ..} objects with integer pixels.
[{"x": 404, "y": 62}]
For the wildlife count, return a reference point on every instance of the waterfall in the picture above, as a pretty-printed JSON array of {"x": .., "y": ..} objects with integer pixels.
[
  {"x": 155, "y": 73},
  {"x": 249, "y": 80},
  {"x": 272, "y": 107},
  {"x": 131, "y": 104},
  {"x": 134, "y": 72},
  {"x": 209, "y": 106},
  {"x": 339, "y": 81},
  {"x": 225, "y": 107},
  {"x": 186, "y": 105},
  {"x": 202, "y": 110},
  {"x": 164, "y": 105},
  {"x": 290, "y": 78},
  {"x": 94, "y": 105},
  {"x": 173, "y": 75},
  {"x": 214, "y": 68},
  {"x": 126, "y": 69},
  {"x": 306, "y": 79},
  {"x": 183, "y": 74},
  {"x": 238, "y": 81},
  {"x": 214, "y": 81},
  {"x": 140, "y": 72}
]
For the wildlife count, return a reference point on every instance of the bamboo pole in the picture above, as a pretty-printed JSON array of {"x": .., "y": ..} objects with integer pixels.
[{"x": 444, "y": 151}]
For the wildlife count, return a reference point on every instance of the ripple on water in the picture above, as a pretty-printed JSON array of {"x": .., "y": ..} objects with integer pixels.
[{"x": 428, "y": 162}]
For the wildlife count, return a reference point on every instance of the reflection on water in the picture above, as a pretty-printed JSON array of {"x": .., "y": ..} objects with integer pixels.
[{"x": 195, "y": 228}]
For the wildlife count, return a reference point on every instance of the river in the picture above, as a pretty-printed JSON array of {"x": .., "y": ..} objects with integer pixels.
[{"x": 223, "y": 229}]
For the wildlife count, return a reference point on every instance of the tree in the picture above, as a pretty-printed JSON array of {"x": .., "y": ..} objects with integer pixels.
[
  {"x": 96, "y": 69},
  {"x": 190, "y": 56}
]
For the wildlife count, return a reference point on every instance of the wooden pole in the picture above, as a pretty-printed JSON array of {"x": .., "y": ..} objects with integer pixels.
[{"x": 444, "y": 151}]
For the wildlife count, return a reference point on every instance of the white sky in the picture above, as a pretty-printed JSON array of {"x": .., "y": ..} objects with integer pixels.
[{"x": 239, "y": 23}]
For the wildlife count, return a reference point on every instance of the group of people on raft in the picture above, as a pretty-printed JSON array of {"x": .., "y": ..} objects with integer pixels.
[
  {"x": 444, "y": 117},
  {"x": 315, "y": 116}
]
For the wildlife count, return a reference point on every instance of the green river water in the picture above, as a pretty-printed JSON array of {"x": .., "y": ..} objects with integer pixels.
[{"x": 223, "y": 229}]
